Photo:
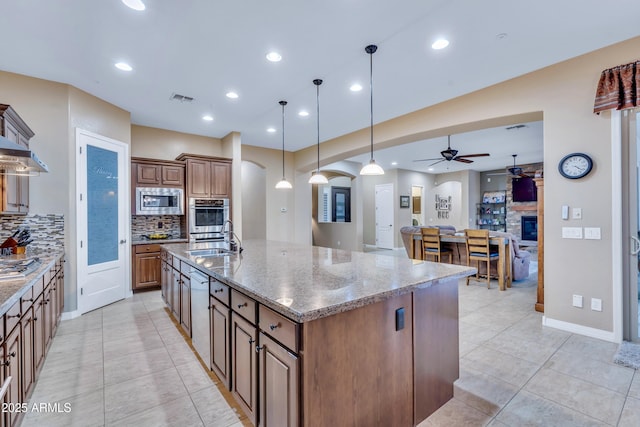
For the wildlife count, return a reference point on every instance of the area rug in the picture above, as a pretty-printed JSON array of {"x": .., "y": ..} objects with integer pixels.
[{"x": 628, "y": 355}]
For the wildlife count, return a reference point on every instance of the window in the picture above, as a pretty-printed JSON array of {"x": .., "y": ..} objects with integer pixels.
[{"x": 340, "y": 204}]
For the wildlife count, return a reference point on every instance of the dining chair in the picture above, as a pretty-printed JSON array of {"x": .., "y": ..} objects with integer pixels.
[
  {"x": 431, "y": 245},
  {"x": 478, "y": 250}
]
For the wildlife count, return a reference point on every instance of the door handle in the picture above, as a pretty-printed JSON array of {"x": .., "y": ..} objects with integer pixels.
[
  {"x": 636, "y": 245},
  {"x": 123, "y": 241}
]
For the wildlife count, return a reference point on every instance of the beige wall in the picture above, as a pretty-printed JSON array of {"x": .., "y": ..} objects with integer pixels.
[
  {"x": 254, "y": 192},
  {"x": 167, "y": 145},
  {"x": 562, "y": 95}
]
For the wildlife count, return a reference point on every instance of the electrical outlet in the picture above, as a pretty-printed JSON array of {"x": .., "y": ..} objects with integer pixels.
[
  {"x": 596, "y": 304},
  {"x": 572, "y": 232},
  {"x": 160, "y": 224},
  {"x": 577, "y": 301}
]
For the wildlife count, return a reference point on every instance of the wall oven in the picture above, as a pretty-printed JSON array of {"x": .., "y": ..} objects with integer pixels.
[
  {"x": 159, "y": 201},
  {"x": 207, "y": 218}
]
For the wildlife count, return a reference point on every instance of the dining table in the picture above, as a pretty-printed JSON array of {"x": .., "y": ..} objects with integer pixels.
[{"x": 504, "y": 253}]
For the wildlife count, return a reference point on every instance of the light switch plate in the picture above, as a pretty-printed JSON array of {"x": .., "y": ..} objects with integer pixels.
[
  {"x": 565, "y": 212},
  {"x": 572, "y": 232},
  {"x": 596, "y": 304},
  {"x": 592, "y": 233},
  {"x": 577, "y": 301}
]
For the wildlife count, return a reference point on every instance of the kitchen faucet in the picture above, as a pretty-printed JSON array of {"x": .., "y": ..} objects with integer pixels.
[{"x": 232, "y": 244}]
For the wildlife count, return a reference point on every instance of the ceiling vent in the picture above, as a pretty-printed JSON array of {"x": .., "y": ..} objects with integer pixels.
[
  {"x": 514, "y": 127},
  {"x": 181, "y": 98}
]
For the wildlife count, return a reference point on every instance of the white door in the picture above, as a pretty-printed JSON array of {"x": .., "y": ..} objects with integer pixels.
[
  {"x": 102, "y": 181},
  {"x": 384, "y": 216}
]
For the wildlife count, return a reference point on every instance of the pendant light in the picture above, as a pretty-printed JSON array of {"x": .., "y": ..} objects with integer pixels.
[
  {"x": 283, "y": 184},
  {"x": 372, "y": 168},
  {"x": 316, "y": 176}
]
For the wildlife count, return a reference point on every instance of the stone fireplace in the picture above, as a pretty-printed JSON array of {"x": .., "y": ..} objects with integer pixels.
[
  {"x": 517, "y": 210},
  {"x": 529, "y": 228}
]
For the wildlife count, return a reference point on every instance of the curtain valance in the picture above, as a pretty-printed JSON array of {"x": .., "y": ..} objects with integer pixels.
[{"x": 618, "y": 88}]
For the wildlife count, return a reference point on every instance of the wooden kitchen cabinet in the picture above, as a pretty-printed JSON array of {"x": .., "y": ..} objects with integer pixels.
[
  {"x": 175, "y": 294},
  {"x": 28, "y": 369},
  {"x": 207, "y": 177},
  {"x": 244, "y": 365},
  {"x": 13, "y": 369},
  {"x": 38, "y": 333},
  {"x": 146, "y": 270},
  {"x": 15, "y": 189},
  {"x": 156, "y": 173},
  {"x": 219, "y": 316},
  {"x": 185, "y": 303}
]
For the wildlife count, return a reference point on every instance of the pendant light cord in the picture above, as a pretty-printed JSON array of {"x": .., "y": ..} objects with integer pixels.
[
  {"x": 371, "y": 49},
  {"x": 318, "y": 82},
  {"x": 283, "y": 103}
]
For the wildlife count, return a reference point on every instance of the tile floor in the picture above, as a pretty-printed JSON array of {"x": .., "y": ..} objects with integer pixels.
[{"x": 127, "y": 364}]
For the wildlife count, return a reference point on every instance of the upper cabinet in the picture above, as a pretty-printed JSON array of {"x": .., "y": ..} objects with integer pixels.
[
  {"x": 15, "y": 188},
  {"x": 156, "y": 173},
  {"x": 207, "y": 177}
]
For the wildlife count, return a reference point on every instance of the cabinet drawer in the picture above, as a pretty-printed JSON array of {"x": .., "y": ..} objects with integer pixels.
[
  {"x": 145, "y": 249},
  {"x": 26, "y": 300},
  {"x": 38, "y": 287},
  {"x": 244, "y": 306},
  {"x": 12, "y": 317},
  {"x": 176, "y": 263},
  {"x": 279, "y": 327},
  {"x": 219, "y": 291}
]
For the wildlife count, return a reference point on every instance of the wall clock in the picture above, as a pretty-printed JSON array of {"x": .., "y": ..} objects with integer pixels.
[{"x": 575, "y": 165}]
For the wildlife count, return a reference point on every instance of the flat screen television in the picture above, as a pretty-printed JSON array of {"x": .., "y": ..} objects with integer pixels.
[{"x": 524, "y": 190}]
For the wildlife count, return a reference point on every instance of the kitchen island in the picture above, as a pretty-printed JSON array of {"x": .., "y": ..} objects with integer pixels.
[{"x": 305, "y": 335}]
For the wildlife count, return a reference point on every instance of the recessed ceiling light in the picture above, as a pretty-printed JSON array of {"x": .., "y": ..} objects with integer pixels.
[
  {"x": 440, "y": 44},
  {"x": 274, "y": 57},
  {"x": 430, "y": 169},
  {"x": 501, "y": 36},
  {"x": 134, "y": 4},
  {"x": 356, "y": 87},
  {"x": 303, "y": 113},
  {"x": 232, "y": 95},
  {"x": 123, "y": 66},
  {"x": 271, "y": 130},
  {"x": 207, "y": 118},
  {"x": 394, "y": 163}
]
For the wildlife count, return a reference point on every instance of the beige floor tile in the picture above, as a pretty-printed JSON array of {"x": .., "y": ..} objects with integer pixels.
[
  {"x": 132, "y": 344},
  {"x": 593, "y": 348},
  {"x": 483, "y": 392},
  {"x": 180, "y": 413},
  {"x": 135, "y": 365},
  {"x": 83, "y": 323},
  {"x": 634, "y": 390},
  {"x": 456, "y": 413},
  {"x": 55, "y": 384},
  {"x": 213, "y": 409},
  {"x": 606, "y": 374},
  {"x": 466, "y": 347},
  {"x": 527, "y": 409},
  {"x": 630, "y": 413},
  {"x": 84, "y": 410},
  {"x": 532, "y": 351},
  {"x": 194, "y": 376},
  {"x": 597, "y": 402},
  {"x": 475, "y": 333},
  {"x": 499, "y": 365},
  {"x": 143, "y": 393}
]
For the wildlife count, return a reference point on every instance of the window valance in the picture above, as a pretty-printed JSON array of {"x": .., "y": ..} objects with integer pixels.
[{"x": 618, "y": 88}]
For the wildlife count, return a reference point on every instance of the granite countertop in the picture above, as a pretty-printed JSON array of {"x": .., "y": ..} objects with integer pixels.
[
  {"x": 12, "y": 290},
  {"x": 305, "y": 283}
]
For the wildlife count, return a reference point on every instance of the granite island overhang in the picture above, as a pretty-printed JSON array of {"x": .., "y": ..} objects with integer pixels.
[{"x": 374, "y": 337}]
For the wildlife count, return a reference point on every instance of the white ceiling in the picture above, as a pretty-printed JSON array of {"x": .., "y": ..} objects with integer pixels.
[{"x": 204, "y": 48}]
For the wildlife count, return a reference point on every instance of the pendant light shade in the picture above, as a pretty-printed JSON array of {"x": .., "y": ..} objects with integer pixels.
[
  {"x": 283, "y": 184},
  {"x": 316, "y": 176},
  {"x": 372, "y": 168}
]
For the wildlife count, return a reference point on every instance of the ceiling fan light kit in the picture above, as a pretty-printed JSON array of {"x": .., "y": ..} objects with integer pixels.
[{"x": 372, "y": 168}]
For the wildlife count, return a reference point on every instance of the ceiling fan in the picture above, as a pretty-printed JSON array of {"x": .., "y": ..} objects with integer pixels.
[
  {"x": 449, "y": 154},
  {"x": 516, "y": 170}
]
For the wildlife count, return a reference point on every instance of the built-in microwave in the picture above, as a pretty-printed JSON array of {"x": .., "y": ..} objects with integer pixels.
[
  {"x": 159, "y": 201},
  {"x": 207, "y": 218}
]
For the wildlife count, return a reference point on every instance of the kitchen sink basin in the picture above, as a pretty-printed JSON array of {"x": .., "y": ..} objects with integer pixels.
[{"x": 209, "y": 252}]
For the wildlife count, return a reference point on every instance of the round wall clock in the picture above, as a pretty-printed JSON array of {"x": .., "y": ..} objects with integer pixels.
[{"x": 575, "y": 165}]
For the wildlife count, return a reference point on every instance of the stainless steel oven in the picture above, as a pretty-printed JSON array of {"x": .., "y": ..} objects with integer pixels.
[
  {"x": 159, "y": 201},
  {"x": 207, "y": 218}
]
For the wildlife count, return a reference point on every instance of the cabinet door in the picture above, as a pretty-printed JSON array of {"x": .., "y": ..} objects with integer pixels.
[
  {"x": 12, "y": 368},
  {"x": 52, "y": 306},
  {"x": 185, "y": 304},
  {"x": 38, "y": 333},
  {"x": 23, "y": 198},
  {"x": 175, "y": 294},
  {"x": 244, "y": 365},
  {"x": 48, "y": 317},
  {"x": 163, "y": 281},
  {"x": 147, "y": 175},
  {"x": 11, "y": 193},
  {"x": 28, "y": 370},
  {"x": 198, "y": 178},
  {"x": 220, "y": 343},
  {"x": 220, "y": 179},
  {"x": 173, "y": 176},
  {"x": 278, "y": 394},
  {"x": 147, "y": 270},
  {"x": 60, "y": 294}
]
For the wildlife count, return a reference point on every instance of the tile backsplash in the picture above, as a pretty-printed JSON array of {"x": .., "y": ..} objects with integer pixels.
[
  {"x": 47, "y": 231},
  {"x": 147, "y": 224}
]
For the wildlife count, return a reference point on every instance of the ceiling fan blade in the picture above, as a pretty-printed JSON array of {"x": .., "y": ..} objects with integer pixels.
[
  {"x": 435, "y": 163},
  {"x": 458, "y": 159},
  {"x": 474, "y": 155},
  {"x": 428, "y": 160}
]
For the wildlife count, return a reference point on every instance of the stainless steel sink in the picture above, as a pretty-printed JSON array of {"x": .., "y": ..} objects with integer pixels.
[{"x": 209, "y": 252}]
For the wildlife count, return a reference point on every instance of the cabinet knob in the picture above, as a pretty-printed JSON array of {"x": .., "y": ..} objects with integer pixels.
[
  {"x": 242, "y": 305},
  {"x": 251, "y": 341},
  {"x": 6, "y": 362},
  {"x": 12, "y": 354},
  {"x": 258, "y": 348},
  {"x": 274, "y": 327}
]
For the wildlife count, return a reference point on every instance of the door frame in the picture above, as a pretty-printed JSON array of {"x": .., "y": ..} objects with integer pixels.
[{"x": 81, "y": 215}]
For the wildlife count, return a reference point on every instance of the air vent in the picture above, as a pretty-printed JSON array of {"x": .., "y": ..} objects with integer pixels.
[
  {"x": 516, "y": 127},
  {"x": 181, "y": 98}
]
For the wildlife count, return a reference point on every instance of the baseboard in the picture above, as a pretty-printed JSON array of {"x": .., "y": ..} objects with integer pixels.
[
  {"x": 68, "y": 315},
  {"x": 579, "y": 329}
]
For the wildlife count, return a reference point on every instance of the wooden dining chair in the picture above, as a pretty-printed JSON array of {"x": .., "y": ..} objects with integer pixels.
[
  {"x": 431, "y": 245},
  {"x": 478, "y": 250}
]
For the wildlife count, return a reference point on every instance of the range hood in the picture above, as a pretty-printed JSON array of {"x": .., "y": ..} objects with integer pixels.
[{"x": 18, "y": 160}]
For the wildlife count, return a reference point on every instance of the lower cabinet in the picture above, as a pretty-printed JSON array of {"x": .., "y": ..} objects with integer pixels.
[
  {"x": 244, "y": 364},
  {"x": 12, "y": 368},
  {"x": 38, "y": 333},
  {"x": 175, "y": 293},
  {"x": 146, "y": 267},
  {"x": 219, "y": 315},
  {"x": 28, "y": 370},
  {"x": 185, "y": 303}
]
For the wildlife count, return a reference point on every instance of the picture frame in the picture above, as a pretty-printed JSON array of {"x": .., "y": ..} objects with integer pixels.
[{"x": 404, "y": 201}]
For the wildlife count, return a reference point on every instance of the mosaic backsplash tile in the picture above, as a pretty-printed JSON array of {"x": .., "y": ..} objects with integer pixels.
[
  {"x": 148, "y": 224},
  {"x": 47, "y": 231}
]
